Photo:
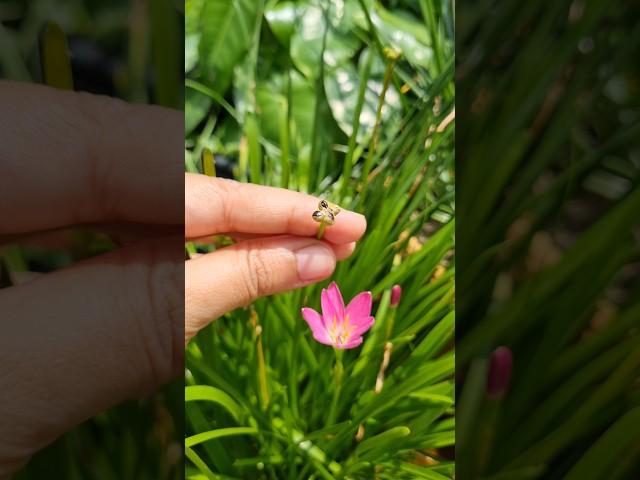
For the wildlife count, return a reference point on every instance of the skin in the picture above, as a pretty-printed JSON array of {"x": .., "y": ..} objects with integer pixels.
[{"x": 82, "y": 339}]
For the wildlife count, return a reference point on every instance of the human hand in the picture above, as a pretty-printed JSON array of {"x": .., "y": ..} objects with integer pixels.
[
  {"x": 277, "y": 250},
  {"x": 80, "y": 340}
]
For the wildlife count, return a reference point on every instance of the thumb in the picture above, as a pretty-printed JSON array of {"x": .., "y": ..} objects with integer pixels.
[
  {"x": 235, "y": 276},
  {"x": 80, "y": 340}
]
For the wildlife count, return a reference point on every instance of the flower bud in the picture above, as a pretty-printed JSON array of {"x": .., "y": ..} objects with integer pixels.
[
  {"x": 391, "y": 54},
  {"x": 500, "y": 367},
  {"x": 396, "y": 294}
]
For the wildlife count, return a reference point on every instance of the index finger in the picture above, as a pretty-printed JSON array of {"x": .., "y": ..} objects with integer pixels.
[
  {"x": 70, "y": 158},
  {"x": 214, "y": 205}
]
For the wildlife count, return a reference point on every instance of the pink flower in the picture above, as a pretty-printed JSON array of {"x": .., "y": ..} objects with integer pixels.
[{"x": 338, "y": 326}]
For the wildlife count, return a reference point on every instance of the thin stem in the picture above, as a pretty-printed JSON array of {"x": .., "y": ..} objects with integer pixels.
[
  {"x": 338, "y": 373},
  {"x": 348, "y": 160},
  {"x": 56, "y": 64},
  {"x": 208, "y": 163},
  {"x": 376, "y": 130},
  {"x": 262, "y": 370},
  {"x": 318, "y": 126},
  {"x": 264, "y": 390},
  {"x": 389, "y": 326},
  {"x": 283, "y": 118},
  {"x": 190, "y": 249},
  {"x": 386, "y": 357}
]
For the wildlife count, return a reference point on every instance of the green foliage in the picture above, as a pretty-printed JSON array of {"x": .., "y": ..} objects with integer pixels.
[
  {"x": 547, "y": 254},
  {"x": 265, "y": 400}
]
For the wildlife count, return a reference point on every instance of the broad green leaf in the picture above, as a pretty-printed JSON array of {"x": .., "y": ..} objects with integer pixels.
[
  {"x": 196, "y": 107},
  {"x": 271, "y": 99},
  {"x": 227, "y": 28},
  {"x": 307, "y": 40},
  {"x": 342, "y": 86},
  {"x": 191, "y": 44},
  {"x": 282, "y": 18},
  {"x": 192, "y": 34},
  {"x": 405, "y": 33}
]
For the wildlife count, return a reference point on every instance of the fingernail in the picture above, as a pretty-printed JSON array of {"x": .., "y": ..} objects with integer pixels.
[{"x": 315, "y": 262}]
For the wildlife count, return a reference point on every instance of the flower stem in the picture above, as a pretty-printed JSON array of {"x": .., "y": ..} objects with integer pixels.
[
  {"x": 264, "y": 389},
  {"x": 321, "y": 231},
  {"x": 262, "y": 370},
  {"x": 486, "y": 433},
  {"x": 338, "y": 373},
  {"x": 389, "y": 324},
  {"x": 368, "y": 163},
  {"x": 386, "y": 357}
]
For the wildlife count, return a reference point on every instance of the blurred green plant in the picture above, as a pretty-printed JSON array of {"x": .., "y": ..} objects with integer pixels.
[
  {"x": 548, "y": 249},
  {"x": 352, "y": 101}
]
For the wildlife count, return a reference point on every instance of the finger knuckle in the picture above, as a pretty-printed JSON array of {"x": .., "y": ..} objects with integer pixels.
[
  {"x": 158, "y": 314},
  {"x": 258, "y": 279},
  {"x": 221, "y": 196}
]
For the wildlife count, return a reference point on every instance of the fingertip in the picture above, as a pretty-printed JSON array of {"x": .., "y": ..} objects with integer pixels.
[
  {"x": 357, "y": 221},
  {"x": 344, "y": 251},
  {"x": 360, "y": 224},
  {"x": 349, "y": 227}
]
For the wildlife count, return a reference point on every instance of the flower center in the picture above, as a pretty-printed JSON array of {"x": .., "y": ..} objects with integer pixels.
[{"x": 340, "y": 332}]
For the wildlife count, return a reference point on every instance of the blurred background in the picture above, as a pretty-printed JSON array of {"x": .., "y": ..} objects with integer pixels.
[
  {"x": 131, "y": 50},
  {"x": 548, "y": 157}
]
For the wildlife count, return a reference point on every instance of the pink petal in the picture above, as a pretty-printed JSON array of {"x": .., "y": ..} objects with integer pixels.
[
  {"x": 332, "y": 305},
  {"x": 361, "y": 326},
  {"x": 322, "y": 337},
  {"x": 352, "y": 343},
  {"x": 359, "y": 307},
  {"x": 314, "y": 319}
]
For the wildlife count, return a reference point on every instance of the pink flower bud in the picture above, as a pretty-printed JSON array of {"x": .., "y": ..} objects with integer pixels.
[
  {"x": 500, "y": 367},
  {"x": 396, "y": 294}
]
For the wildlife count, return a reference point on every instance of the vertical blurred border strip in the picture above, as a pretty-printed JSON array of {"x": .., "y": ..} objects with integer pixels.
[
  {"x": 133, "y": 50},
  {"x": 548, "y": 162}
]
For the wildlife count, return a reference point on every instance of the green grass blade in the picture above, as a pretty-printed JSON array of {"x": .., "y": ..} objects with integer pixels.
[
  {"x": 211, "y": 394},
  {"x": 219, "y": 433}
]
